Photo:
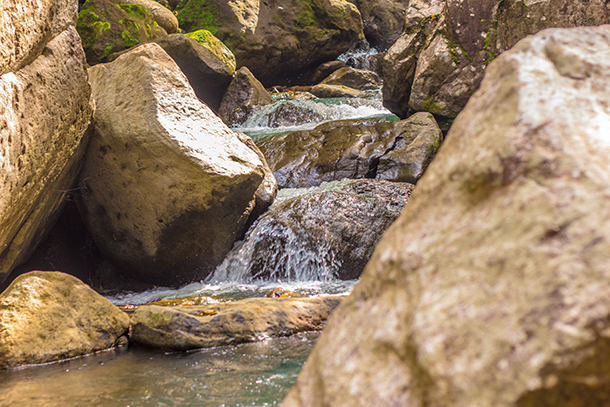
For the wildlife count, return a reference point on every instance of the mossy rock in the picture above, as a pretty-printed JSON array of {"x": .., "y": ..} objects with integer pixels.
[
  {"x": 106, "y": 28},
  {"x": 208, "y": 40},
  {"x": 198, "y": 14}
]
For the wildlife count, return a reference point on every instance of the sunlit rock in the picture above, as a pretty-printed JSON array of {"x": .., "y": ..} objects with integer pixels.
[{"x": 49, "y": 316}]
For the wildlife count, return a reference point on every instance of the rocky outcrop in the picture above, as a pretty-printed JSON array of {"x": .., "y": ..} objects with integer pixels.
[
  {"x": 441, "y": 58},
  {"x": 106, "y": 28},
  {"x": 45, "y": 109},
  {"x": 208, "y": 74},
  {"x": 250, "y": 320},
  {"x": 326, "y": 69},
  {"x": 162, "y": 15},
  {"x": 370, "y": 148},
  {"x": 320, "y": 234},
  {"x": 384, "y": 20},
  {"x": 244, "y": 97},
  {"x": 49, "y": 316},
  {"x": 207, "y": 39},
  {"x": 166, "y": 186},
  {"x": 492, "y": 288},
  {"x": 354, "y": 78},
  {"x": 277, "y": 39}
]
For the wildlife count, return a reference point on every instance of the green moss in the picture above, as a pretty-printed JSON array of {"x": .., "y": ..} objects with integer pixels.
[
  {"x": 208, "y": 40},
  {"x": 490, "y": 38},
  {"x": 198, "y": 14},
  {"x": 135, "y": 10},
  {"x": 430, "y": 106},
  {"x": 435, "y": 146},
  {"x": 89, "y": 25},
  {"x": 128, "y": 40}
]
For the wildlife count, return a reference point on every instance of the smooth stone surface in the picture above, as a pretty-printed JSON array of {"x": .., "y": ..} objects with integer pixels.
[
  {"x": 208, "y": 74},
  {"x": 325, "y": 91},
  {"x": 369, "y": 148},
  {"x": 49, "y": 316},
  {"x": 323, "y": 234},
  {"x": 245, "y": 96},
  {"x": 166, "y": 186},
  {"x": 492, "y": 288},
  {"x": 45, "y": 109},
  {"x": 354, "y": 78},
  {"x": 184, "y": 328}
]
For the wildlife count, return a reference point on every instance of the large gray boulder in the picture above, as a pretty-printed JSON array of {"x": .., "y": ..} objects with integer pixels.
[
  {"x": 45, "y": 109},
  {"x": 49, "y": 316},
  {"x": 318, "y": 234},
  {"x": 166, "y": 186},
  {"x": 254, "y": 319},
  {"x": 277, "y": 39},
  {"x": 492, "y": 288},
  {"x": 369, "y": 148},
  {"x": 441, "y": 58},
  {"x": 208, "y": 74}
]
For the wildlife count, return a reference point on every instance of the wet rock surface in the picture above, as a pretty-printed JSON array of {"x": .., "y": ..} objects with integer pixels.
[
  {"x": 370, "y": 148},
  {"x": 492, "y": 289},
  {"x": 250, "y": 320},
  {"x": 354, "y": 78},
  {"x": 325, "y": 233},
  {"x": 166, "y": 186},
  {"x": 244, "y": 97},
  {"x": 49, "y": 316}
]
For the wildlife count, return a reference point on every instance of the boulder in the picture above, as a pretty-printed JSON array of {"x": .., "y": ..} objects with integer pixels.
[
  {"x": 106, "y": 28},
  {"x": 326, "y": 69},
  {"x": 492, "y": 288},
  {"x": 45, "y": 110},
  {"x": 27, "y": 27},
  {"x": 166, "y": 186},
  {"x": 207, "y": 39},
  {"x": 321, "y": 234},
  {"x": 277, "y": 39},
  {"x": 369, "y": 148},
  {"x": 254, "y": 319},
  {"x": 325, "y": 91},
  {"x": 289, "y": 113},
  {"x": 49, "y": 316},
  {"x": 209, "y": 75},
  {"x": 354, "y": 78},
  {"x": 162, "y": 15},
  {"x": 244, "y": 96},
  {"x": 441, "y": 58},
  {"x": 384, "y": 20}
]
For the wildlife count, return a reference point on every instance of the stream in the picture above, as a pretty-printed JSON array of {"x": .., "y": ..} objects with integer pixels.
[{"x": 255, "y": 374}]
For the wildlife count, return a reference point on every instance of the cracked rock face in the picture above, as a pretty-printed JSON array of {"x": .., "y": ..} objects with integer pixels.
[
  {"x": 491, "y": 289},
  {"x": 398, "y": 151}
]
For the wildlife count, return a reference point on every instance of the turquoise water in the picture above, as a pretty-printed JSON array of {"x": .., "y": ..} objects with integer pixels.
[{"x": 256, "y": 374}]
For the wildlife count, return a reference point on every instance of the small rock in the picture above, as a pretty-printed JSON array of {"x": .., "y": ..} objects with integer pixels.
[
  {"x": 245, "y": 96},
  {"x": 354, "y": 78}
]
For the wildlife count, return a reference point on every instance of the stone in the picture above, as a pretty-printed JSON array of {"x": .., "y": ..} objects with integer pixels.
[
  {"x": 292, "y": 114},
  {"x": 207, "y": 39},
  {"x": 492, "y": 288},
  {"x": 209, "y": 75},
  {"x": 27, "y": 26},
  {"x": 50, "y": 316},
  {"x": 369, "y": 148},
  {"x": 249, "y": 320},
  {"x": 354, "y": 78},
  {"x": 384, "y": 20},
  {"x": 277, "y": 40},
  {"x": 244, "y": 97},
  {"x": 166, "y": 186},
  {"x": 107, "y": 29},
  {"x": 45, "y": 110},
  {"x": 451, "y": 43},
  {"x": 162, "y": 15},
  {"x": 326, "y": 69},
  {"x": 319, "y": 234},
  {"x": 325, "y": 91}
]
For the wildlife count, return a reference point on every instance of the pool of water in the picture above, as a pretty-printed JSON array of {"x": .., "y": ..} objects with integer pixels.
[{"x": 255, "y": 374}]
